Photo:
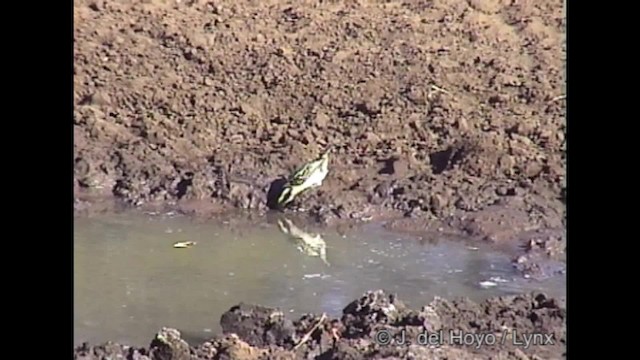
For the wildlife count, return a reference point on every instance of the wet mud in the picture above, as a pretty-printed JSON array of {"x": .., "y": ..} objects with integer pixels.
[{"x": 377, "y": 325}]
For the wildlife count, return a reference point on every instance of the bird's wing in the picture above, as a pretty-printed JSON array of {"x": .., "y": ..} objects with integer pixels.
[{"x": 302, "y": 174}]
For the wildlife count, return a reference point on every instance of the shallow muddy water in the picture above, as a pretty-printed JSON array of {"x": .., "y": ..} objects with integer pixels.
[{"x": 130, "y": 280}]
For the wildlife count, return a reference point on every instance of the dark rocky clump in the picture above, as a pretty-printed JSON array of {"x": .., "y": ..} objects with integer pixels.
[{"x": 258, "y": 332}]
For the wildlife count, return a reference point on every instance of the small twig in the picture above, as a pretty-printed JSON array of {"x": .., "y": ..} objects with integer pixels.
[
  {"x": 437, "y": 88},
  {"x": 557, "y": 98},
  {"x": 307, "y": 336}
]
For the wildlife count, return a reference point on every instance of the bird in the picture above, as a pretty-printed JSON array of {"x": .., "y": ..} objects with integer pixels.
[
  {"x": 308, "y": 176},
  {"x": 309, "y": 244}
]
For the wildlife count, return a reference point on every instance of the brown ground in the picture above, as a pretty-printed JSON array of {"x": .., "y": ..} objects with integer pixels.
[
  {"x": 495, "y": 329},
  {"x": 444, "y": 115}
]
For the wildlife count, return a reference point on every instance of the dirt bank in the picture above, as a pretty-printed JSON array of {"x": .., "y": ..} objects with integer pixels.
[
  {"x": 444, "y": 114},
  {"x": 498, "y": 328}
]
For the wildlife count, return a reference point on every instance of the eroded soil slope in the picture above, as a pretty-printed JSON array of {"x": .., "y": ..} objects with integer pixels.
[{"x": 443, "y": 111}]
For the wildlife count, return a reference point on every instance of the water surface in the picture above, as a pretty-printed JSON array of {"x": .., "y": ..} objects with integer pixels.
[{"x": 130, "y": 280}]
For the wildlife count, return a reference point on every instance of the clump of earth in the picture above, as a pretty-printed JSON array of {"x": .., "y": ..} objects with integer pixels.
[{"x": 377, "y": 325}]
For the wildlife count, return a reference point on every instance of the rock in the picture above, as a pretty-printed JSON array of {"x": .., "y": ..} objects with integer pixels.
[
  {"x": 438, "y": 203},
  {"x": 372, "y": 307},
  {"x": 322, "y": 120},
  {"x": 258, "y": 325},
  {"x": 168, "y": 345},
  {"x": 233, "y": 348}
]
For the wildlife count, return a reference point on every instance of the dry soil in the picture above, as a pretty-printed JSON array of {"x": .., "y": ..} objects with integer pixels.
[{"x": 443, "y": 115}]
